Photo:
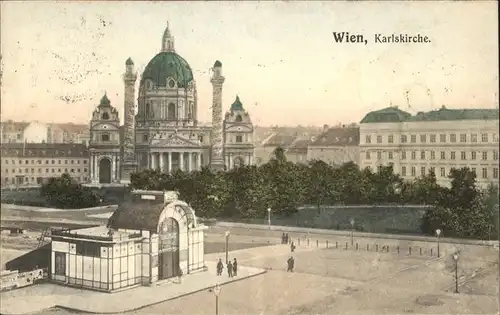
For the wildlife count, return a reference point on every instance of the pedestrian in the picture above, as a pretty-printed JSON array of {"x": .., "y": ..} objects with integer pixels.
[
  {"x": 229, "y": 269},
  {"x": 235, "y": 268},
  {"x": 220, "y": 267},
  {"x": 283, "y": 238},
  {"x": 292, "y": 247},
  {"x": 290, "y": 263},
  {"x": 286, "y": 238}
]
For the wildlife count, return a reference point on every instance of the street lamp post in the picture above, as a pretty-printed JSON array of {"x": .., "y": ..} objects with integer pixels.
[
  {"x": 455, "y": 258},
  {"x": 352, "y": 232},
  {"x": 217, "y": 290},
  {"x": 227, "y": 246},
  {"x": 269, "y": 218},
  {"x": 438, "y": 234}
]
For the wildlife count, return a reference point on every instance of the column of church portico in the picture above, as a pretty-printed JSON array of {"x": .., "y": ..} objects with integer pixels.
[
  {"x": 169, "y": 170},
  {"x": 153, "y": 162},
  {"x": 181, "y": 160},
  {"x": 231, "y": 161},
  {"x": 190, "y": 161},
  {"x": 162, "y": 164},
  {"x": 198, "y": 161},
  {"x": 113, "y": 168},
  {"x": 96, "y": 170}
]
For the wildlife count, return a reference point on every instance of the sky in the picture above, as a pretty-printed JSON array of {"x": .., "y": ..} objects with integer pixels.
[{"x": 59, "y": 58}]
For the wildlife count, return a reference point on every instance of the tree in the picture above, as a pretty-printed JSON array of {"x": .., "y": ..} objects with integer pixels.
[
  {"x": 319, "y": 183},
  {"x": 64, "y": 192}
]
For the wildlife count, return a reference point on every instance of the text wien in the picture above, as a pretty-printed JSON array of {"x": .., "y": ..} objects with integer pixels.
[{"x": 345, "y": 37}]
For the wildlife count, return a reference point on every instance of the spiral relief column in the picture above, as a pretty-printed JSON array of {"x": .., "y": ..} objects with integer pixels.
[
  {"x": 216, "y": 159},
  {"x": 129, "y": 164}
]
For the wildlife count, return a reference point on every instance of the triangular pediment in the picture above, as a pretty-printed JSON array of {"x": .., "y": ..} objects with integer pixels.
[{"x": 175, "y": 141}]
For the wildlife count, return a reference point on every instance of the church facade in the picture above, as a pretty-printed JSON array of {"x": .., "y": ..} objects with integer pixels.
[{"x": 164, "y": 132}]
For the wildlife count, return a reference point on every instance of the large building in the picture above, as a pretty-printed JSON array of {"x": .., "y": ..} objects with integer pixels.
[
  {"x": 32, "y": 163},
  {"x": 165, "y": 133},
  {"x": 336, "y": 146},
  {"x": 436, "y": 141},
  {"x": 40, "y": 132}
]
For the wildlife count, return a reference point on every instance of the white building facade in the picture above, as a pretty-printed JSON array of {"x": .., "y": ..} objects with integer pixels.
[{"x": 436, "y": 141}]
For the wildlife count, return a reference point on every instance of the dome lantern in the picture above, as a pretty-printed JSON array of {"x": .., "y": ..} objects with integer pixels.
[
  {"x": 237, "y": 105},
  {"x": 167, "y": 43}
]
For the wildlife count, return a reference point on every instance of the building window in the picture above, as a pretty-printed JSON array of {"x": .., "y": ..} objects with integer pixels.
[
  {"x": 379, "y": 155},
  {"x": 53, "y": 162},
  {"x": 403, "y": 171},
  {"x": 423, "y": 138},
  {"x": 53, "y": 170},
  {"x": 413, "y": 155},
  {"x": 72, "y": 170},
  {"x": 88, "y": 249},
  {"x": 26, "y": 170},
  {"x": 368, "y": 139},
  {"x": 432, "y": 170},
  {"x": 433, "y": 138},
  {"x": 463, "y": 137},
  {"x": 144, "y": 138},
  {"x": 484, "y": 137},
  {"x": 403, "y": 155},
  {"x": 463, "y": 155},
  {"x": 473, "y": 137},
  {"x": 390, "y": 155},
  {"x": 413, "y": 138},
  {"x": 473, "y": 155},
  {"x": 404, "y": 138},
  {"x": 238, "y": 118},
  {"x": 239, "y": 139},
  {"x": 433, "y": 155},
  {"x": 379, "y": 139},
  {"x": 453, "y": 137},
  {"x": 65, "y": 161},
  {"x": 485, "y": 172},
  {"x": 443, "y": 155},
  {"x": 84, "y": 170},
  {"x": 443, "y": 172},
  {"x": 84, "y": 161},
  {"x": 452, "y": 155},
  {"x": 495, "y": 173},
  {"x": 367, "y": 155},
  {"x": 442, "y": 138},
  {"x": 390, "y": 139},
  {"x": 473, "y": 170},
  {"x": 495, "y": 155},
  {"x": 422, "y": 155},
  {"x": 422, "y": 171},
  {"x": 105, "y": 137},
  {"x": 105, "y": 116},
  {"x": 32, "y": 170},
  {"x": 485, "y": 155},
  {"x": 46, "y": 161},
  {"x": 59, "y": 170},
  {"x": 46, "y": 170},
  {"x": 413, "y": 171}
]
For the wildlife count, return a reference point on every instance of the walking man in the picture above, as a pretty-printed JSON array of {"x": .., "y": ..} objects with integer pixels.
[
  {"x": 290, "y": 263},
  {"x": 220, "y": 267},
  {"x": 235, "y": 268},
  {"x": 229, "y": 269},
  {"x": 292, "y": 247}
]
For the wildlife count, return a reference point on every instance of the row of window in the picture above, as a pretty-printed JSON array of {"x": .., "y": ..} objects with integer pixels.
[
  {"x": 27, "y": 170},
  {"x": 32, "y": 180},
  {"x": 412, "y": 171},
  {"x": 432, "y": 138},
  {"x": 425, "y": 155},
  {"x": 46, "y": 162}
]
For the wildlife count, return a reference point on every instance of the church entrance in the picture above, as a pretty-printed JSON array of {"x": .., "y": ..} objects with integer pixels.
[
  {"x": 104, "y": 171},
  {"x": 238, "y": 161},
  {"x": 168, "y": 253}
]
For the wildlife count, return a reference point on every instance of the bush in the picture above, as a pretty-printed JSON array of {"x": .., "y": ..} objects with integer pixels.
[{"x": 64, "y": 193}]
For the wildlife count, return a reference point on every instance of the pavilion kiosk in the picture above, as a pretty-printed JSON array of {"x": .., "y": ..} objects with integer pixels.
[{"x": 152, "y": 237}]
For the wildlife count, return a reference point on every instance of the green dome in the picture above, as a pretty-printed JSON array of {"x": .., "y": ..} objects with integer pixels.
[
  {"x": 237, "y": 104},
  {"x": 165, "y": 65},
  {"x": 104, "y": 101}
]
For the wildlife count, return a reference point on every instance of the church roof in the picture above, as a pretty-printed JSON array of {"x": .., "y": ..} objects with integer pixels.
[
  {"x": 338, "y": 136},
  {"x": 217, "y": 64},
  {"x": 168, "y": 64},
  {"x": 237, "y": 105},
  {"x": 105, "y": 101}
]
